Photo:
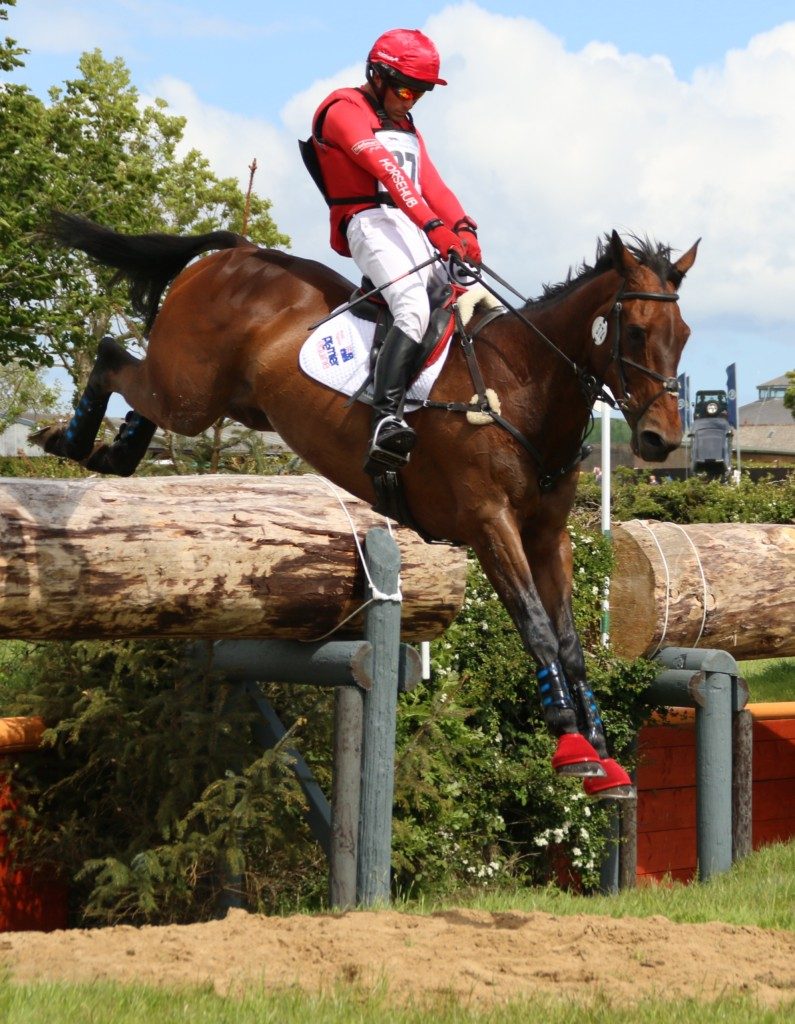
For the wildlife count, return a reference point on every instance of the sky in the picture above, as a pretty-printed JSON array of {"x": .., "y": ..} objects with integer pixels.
[{"x": 562, "y": 120}]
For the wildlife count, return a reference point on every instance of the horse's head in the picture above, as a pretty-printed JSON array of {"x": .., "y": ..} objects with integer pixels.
[{"x": 647, "y": 335}]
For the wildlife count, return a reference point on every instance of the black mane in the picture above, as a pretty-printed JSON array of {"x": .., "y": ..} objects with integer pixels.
[{"x": 654, "y": 255}]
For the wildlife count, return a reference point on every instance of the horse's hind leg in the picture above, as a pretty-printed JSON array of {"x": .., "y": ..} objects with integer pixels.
[
  {"x": 76, "y": 440},
  {"x": 123, "y": 455}
]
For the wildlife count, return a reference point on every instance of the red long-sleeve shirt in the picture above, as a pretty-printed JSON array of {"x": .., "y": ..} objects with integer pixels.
[{"x": 353, "y": 161}]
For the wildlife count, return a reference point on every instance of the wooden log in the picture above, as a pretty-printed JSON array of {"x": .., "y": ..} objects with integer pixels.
[
  {"x": 203, "y": 556},
  {"x": 727, "y": 586}
]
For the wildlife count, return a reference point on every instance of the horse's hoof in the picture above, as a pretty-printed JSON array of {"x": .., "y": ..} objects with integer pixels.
[
  {"x": 575, "y": 756},
  {"x": 39, "y": 437},
  {"x": 615, "y": 784},
  {"x": 51, "y": 439}
]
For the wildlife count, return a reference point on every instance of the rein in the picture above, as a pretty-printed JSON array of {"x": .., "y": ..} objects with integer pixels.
[{"x": 592, "y": 386}]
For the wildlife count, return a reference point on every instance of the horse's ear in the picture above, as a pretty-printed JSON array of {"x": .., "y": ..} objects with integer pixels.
[
  {"x": 683, "y": 264},
  {"x": 623, "y": 260}
]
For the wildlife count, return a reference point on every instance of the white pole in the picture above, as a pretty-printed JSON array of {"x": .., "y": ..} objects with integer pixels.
[
  {"x": 606, "y": 497},
  {"x": 606, "y": 501},
  {"x": 425, "y": 655}
]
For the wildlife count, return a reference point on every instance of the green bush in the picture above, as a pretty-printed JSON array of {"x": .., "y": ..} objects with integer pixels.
[
  {"x": 695, "y": 500},
  {"x": 482, "y": 804},
  {"x": 152, "y": 793}
]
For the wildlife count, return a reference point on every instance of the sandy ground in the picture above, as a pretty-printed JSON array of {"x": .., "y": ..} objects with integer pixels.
[{"x": 479, "y": 957}]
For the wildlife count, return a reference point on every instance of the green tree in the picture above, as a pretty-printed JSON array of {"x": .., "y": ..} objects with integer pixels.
[
  {"x": 10, "y": 53},
  {"x": 789, "y": 395},
  {"x": 95, "y": 151},
  {"x": 24, "y": 390}
]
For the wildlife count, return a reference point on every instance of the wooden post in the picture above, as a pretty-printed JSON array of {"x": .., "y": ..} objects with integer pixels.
[
  {"x": 742, "y": 784},
  {"x": 346, "y": 796},
  {"x": 382, "y": 629},
  {"x": 707, "y": 680},
  {"x": 628, "y": 861},
  {"x": 714, "y": 775}
]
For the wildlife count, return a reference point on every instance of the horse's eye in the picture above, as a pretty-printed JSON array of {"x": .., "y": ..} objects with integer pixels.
[{"x": 636, "y": 334}]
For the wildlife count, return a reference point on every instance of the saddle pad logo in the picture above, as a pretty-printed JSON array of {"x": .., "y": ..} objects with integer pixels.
[{"x": 335, "y": 349}]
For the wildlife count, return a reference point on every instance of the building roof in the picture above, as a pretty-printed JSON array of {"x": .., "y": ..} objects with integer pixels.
[
  {"x": 777, "y": 382},
  {"x": 766, "y": 410},
  {"x": 767, "y": 438}
]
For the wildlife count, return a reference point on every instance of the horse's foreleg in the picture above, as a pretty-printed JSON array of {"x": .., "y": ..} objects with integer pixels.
[
  {"x": 552, "y": 568},
  {"x": 122, "y": 456},
  {"x": 504, "y": 562}
]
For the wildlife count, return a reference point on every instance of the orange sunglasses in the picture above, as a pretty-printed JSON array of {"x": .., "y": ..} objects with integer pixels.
[{"x": 403, "y": 92}]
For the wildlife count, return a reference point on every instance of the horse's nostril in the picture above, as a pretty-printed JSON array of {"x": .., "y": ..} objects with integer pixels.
[{"x": 653, "y": 446}]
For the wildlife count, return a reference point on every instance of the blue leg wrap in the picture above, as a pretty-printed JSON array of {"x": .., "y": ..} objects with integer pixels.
[
  {"x": 589, "y": 717},
  {"x": 556, "y": 701}
]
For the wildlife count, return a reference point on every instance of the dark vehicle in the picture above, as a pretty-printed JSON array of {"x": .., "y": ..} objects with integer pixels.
[{"x": 711, "y": 449}]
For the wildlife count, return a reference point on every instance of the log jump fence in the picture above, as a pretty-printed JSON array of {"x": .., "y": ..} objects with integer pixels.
[
  {"x": 709, "y": 682},
  {"x": 695, "y": 598},
  {"x": 234, "y": 560},
  {"x": 269, "y": 569},
  {"x": 355, "y": 827}
]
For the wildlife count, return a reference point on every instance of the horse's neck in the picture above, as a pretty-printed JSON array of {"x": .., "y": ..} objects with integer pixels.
[{"x": 567, "y": 323}]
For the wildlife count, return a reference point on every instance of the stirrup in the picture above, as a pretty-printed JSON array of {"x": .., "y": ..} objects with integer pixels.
[{"x": 394, "y": 448}]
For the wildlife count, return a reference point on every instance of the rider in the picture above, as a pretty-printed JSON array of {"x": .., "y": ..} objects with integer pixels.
[{"x": 389, "y": 210}]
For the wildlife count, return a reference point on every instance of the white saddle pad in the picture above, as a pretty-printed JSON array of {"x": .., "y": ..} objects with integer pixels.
[{"x": 337, "y": 354}]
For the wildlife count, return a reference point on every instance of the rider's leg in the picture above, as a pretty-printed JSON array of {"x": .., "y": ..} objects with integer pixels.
[{"x": 384, "y": 247}]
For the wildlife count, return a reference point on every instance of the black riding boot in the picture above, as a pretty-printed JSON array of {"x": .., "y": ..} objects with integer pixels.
[{"x": 392, "y": 438}]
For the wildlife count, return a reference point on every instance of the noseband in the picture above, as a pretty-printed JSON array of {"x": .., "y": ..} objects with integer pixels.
[{"x": 594, "y": 388}]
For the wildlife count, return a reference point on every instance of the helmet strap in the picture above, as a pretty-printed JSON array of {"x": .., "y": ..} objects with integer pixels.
[{"x": 378, "y": 90}]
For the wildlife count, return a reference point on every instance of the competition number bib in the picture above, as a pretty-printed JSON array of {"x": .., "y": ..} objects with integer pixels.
[{"x": 405, "y": 148}]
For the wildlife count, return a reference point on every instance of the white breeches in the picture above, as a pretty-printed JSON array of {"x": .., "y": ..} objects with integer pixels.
[{"x": 384, "y": 244}]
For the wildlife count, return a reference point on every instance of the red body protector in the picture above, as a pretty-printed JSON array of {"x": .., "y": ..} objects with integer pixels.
[{"x": 355, "y": 170}]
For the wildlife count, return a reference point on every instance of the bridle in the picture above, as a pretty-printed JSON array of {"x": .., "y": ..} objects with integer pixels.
[{"x": 594, "y": 387}]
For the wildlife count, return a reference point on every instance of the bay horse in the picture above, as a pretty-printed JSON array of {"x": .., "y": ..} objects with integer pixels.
[{"x": 225, "y": 342}]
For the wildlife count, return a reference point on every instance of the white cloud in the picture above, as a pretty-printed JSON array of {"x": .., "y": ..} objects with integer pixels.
[{"x": 550, "y": 148}]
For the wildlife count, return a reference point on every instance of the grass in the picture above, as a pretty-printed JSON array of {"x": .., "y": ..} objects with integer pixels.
[
  {"x": 760, "y": 891},
  {"x": 757, "y": 891},
  {"x": 770, "y": 679},
  {"x": 104, "y": 1003}
]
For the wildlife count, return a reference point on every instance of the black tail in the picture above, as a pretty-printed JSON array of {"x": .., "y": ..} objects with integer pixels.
[{"x": 149, "y": 262}]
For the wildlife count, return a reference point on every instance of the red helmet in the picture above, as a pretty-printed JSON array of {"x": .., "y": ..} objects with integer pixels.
[{"x": 406, "y": 56}]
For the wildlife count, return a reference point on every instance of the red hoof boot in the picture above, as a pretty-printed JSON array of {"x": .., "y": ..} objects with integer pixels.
[
  {"x": 615, "y": 784},
  {"x": 576, "y": 756}
]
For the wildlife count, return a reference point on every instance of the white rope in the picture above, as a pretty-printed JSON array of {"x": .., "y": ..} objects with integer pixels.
[
  {"x": 376, "y": 594},
  {"x": 667, "y": 584},
  {"x": 703, "y": 581}
]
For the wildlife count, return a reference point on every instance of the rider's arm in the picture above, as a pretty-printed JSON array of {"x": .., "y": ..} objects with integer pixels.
[{"x": 439, "y": 197}]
